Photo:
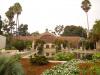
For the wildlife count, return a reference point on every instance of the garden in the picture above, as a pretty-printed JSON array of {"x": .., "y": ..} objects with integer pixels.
[
  {"x": 72, "y": 66},
  {"x": 41, "y": 65},
  {"x": 27, "y": 55}
]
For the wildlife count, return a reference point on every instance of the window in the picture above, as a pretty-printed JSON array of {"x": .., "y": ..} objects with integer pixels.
[
  {"x": 52, "y": 46},
  {"x": 53, "y": 54},
  {"x": 47, "y": 54},
  {"x": 47, "y": 46}
]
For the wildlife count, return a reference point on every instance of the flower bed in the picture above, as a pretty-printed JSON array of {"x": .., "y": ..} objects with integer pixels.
[
  {"x": 68, "y": 68},
  {"x": 35, "y": 69},
  {"x": 85, "y": 68},
  {"x": 74, "y": 67},
  {"x": 89, "y": 68}
]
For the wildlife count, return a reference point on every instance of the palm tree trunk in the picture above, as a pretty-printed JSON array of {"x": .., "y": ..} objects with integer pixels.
[
  {"x": 88, "y": 29},
  {"x": 16, "y": 24},
  {"x": 87, "y": 25}
]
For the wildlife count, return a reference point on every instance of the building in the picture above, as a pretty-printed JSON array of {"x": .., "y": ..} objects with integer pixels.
[
  {"x": 49, "y": 38},
  {"x": 2, "y": 42},
  {"x": 50, "y": 47},
  {"x": 98, "y": 45}
]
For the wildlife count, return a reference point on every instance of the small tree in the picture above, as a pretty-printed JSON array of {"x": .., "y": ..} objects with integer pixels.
[{"x": 39, "y": 46}]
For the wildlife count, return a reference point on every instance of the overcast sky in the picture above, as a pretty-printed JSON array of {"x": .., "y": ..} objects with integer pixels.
[{"x": 42, "y": 14}]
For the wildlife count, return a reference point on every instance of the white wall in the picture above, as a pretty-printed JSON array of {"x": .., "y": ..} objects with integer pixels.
[
  {"x": 98, "y": 45},
  {"x": 2, "y": 41}
]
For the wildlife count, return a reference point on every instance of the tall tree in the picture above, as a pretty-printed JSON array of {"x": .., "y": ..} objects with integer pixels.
[
  {"x": 86, "y": 5},
  {"x": 59, "y": 29},
  {"x": 74, "y": 31},
  {"x": 10, "y": 16},
  {"x": 17, "y": 9},
  {"x": 96, "y": 30},
  {"x": 22, "y": 30},
  {"x": 0, "y": 26},
  {"x": 5, "y": 27}
]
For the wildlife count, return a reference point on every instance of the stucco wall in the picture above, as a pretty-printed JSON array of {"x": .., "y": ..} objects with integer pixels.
[
  {"x": 98, "y": 45},
  {"x": 2, "y": 41}
]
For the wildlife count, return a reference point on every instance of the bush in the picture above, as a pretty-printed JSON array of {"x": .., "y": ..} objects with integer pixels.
[
  {"x": 39, "y": 60},
  {"x": 88, "y": 57},
  {"x": 96, "y": 56},
  {"x": 20, "y": 45},
  {"x": 10, "y": 66},
  {"x": 63, "y": 56}
]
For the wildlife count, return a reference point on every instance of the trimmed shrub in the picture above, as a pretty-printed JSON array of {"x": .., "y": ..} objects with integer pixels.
[
  {"x": 38, "y": 60},
  {"x": 63, "y": 56},
  {"x": 20, "y": 45}
]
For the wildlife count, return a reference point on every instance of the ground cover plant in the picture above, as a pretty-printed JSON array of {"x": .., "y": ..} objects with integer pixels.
[
  {"x": 68, "y": 68},
  {"x": 75, "y": 67},
  {"x": 10, "y": 66}
]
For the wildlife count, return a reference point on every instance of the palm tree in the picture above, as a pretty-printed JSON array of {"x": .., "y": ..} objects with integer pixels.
[
  {"x": 17, "y": 10},
  {"x": 86, "y": 5},
  {"x": 10, "y": 16}
]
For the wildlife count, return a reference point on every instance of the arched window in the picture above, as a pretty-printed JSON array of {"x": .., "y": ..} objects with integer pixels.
[
  {"x": 52, "y": 46},
  {"x": 47, "y": 54},
  {"x": 47, "y": 46}
]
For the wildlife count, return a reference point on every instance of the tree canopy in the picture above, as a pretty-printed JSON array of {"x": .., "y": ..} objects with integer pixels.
[
  {"x": 35, "y": 33},
  {"x": 86, "y": 5},
  {"x": 96, "y": 30},
  {"x": 74, "y": 31},
  {"x": 22, "y": 30},
  {"x": 16, "y": 9},
  {"x": 59, "y": 29}
]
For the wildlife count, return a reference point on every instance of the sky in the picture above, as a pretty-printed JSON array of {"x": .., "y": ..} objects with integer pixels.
[{"x": 42, "y": 14}]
